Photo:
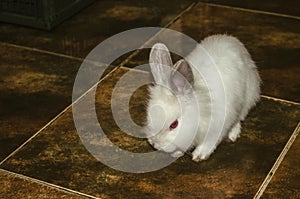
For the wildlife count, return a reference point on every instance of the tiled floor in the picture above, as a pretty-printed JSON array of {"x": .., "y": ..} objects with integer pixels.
[{"x": 37, "y": 74}]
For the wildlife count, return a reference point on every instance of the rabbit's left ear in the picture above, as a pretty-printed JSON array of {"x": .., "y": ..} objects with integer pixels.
[
  {"x": 160, "y": 64},
  {"x": 182, "y": 78}
]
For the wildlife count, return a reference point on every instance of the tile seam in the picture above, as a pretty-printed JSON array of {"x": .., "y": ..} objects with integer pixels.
[
  {"x": 47, "y": 184},
  {"x": 280, "y": 100},
  {"x": 149, "y": 40},
  {"x": 188, "y": 8},
  {"x": 42, "y": 51},
  {"x": 252, "y": 10},
  {"x": 34, "y": 135},
  {"x": 277, "y": 163}
]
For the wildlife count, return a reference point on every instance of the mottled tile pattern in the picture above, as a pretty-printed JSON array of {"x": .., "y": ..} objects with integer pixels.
[
  {"x": 276, "y": 6},
  {"x": 12, "y": 186},
  {"x": 286, "y": 181},
  {"x": 235, "y": 170},
  {"x": 78, "y": 35},
  {"x": 34, "y": 88},
  {"x": 273, "y": 42}
]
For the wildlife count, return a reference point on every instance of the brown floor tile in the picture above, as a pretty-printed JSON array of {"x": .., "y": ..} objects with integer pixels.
[
  {"x": 34, "y": 88},
  {"x": 81, "y": 33},
  {"x": 277, "y": 6},
  {"x": 12, "y": 186},
  {"x": 235, "y": 170},
  {"x": 273, "y": 42},
  {"x": 286, "y": 181}
]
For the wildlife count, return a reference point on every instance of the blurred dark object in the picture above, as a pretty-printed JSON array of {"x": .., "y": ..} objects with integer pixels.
[{"x": 42, "y": 14}]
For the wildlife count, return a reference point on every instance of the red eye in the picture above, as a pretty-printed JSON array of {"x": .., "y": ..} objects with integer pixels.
[{"x": 174, "y": 125}]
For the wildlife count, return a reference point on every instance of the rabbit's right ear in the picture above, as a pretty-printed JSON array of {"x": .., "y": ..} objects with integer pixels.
[
  {"x": 182, "y": 78},
  {"x": 160, "y": 64}
]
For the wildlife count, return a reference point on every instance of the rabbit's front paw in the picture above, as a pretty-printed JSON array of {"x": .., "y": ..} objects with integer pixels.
[
  {"x": 202, "y": 152},
  {"x": 177, "y": 154},
  {"x": 235, "y": 132}
]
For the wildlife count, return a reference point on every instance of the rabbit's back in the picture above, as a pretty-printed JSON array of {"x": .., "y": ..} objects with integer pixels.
[{"x": 236, "y": 71}]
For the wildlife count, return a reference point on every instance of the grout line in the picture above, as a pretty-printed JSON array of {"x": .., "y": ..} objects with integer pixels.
[
  {"x": 47, "y": 184},
  {"x": 41, "y": 51},
  {"x": 134, "y": 69},
  {"x": 280, "y": 100},
  {"x": 56, "y": 117},
  {"x": 180, "y": 14},
  {"x": 253, "y": 11},
  {"x": 280, "y": 158},
  {"x": 166, "y": 26},
  {"x": 21, "y": 146}
]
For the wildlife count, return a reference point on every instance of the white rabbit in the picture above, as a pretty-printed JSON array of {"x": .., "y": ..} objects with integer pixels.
[{"x": 202, "y": 99}]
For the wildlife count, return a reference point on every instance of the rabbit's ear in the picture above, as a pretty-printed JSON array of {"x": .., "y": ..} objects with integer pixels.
[
  {"x": 160, "y": 64},
  {"x": 182, "y": 77}
]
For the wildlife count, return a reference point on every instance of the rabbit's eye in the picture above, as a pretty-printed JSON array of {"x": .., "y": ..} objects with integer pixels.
[{"x": 173, "y": 125}]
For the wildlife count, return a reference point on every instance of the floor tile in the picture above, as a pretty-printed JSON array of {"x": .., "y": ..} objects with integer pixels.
[
  {"x": 285, "y": 182},
  {"x": 34, "y": 88},
  {"x": 277, "y": 6},
  {"x": 15, "y": 187},
  {"x": 81, "y": 33},
  {"x": 235, "y": 170},
  {"x": 273, "y": 42}
]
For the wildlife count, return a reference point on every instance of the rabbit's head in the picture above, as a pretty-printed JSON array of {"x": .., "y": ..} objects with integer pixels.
[{"x": 170, "y": 100}]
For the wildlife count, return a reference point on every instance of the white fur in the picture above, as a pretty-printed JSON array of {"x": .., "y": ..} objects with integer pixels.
[{"x": 223, "y": 100}]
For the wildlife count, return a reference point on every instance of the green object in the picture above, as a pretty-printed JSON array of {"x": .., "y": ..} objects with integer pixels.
[{"x": 42, "y": 14}]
